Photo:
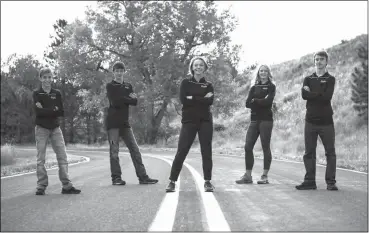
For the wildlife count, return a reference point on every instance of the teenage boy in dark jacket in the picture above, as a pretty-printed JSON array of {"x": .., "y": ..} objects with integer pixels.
[
  {"x": 121, "y": 95},
  {"x": 48, "y": 107},
  {"x": 318, "y": 90}
]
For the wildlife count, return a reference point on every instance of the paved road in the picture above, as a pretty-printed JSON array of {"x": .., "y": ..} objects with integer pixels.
[{"x": 103, "y": 207}]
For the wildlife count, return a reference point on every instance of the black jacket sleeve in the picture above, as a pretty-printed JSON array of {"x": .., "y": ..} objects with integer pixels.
[
  {"x": 308, "y": 95},
  {"x": 205, "y": 100},
  {"x": 43, "y": 112},
  {"x": 250, "y": 96},
  {"x": 183, "y": 92},
  {"x": 116, "y": 100},
  {"x": 268, "y": 101}
]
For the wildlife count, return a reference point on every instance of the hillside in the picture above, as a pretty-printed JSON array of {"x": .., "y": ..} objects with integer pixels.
[{"x": 288, "y": 132}]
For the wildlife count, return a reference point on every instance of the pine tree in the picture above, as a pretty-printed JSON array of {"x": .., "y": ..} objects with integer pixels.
[{"x": 359, "y": 84}]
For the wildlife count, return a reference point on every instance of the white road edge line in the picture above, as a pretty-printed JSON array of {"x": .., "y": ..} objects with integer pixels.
[
  {"x": 87, "y": 159},
  {"x": 164, "y": 219},
  {"x": 214, "y": 215}
]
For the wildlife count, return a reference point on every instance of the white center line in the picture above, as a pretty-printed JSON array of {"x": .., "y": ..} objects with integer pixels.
[
  {"x": 164, "y": 219},
  {"x": 214, "y": 215}
]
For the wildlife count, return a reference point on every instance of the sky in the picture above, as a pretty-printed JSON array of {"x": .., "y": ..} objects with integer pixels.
[{"x": 269, "y": 32}]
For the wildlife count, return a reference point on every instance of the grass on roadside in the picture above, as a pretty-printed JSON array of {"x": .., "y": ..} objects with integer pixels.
[{"x": 15, "y": 161}]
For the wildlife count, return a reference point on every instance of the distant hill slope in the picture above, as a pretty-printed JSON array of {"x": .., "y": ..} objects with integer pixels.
[{"x": 288, "y": 132}]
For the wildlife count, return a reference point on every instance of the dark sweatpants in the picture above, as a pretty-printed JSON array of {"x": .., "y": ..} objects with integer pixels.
[
  {"x": 264, "y": 129},
  {"x": 186, "y": 138},
  {"x": 327, "y": 135}
]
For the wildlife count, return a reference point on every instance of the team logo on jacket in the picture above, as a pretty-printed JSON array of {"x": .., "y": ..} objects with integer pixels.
[
  {"x": 204, "y": 86},
  {"x": 265, "y": 88},
  {"x": 53, "y": 96}
]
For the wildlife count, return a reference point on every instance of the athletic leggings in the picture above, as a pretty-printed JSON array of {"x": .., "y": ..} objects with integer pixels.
[
  {"x": 264, "y": 129},
  {"x": 186, "y": 138}
]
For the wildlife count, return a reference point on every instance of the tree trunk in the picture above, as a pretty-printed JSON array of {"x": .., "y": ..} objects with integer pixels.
[
  {"x": 88, "y": 125},
  {"x": 149, "y": 115},
  {"x": 71, "y": 131},
  {"x": 153, "y": 120},
  {"x": 156, "y": 123},
  {"x": 96, "y": 128},
  {"x": 19, "y": 140}
]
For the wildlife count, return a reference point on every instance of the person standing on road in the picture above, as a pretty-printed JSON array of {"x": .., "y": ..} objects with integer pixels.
[
  {"x": 196, "y": 95},
  {"x": 48, "y": 107},
  {"x": 260, "y": 101},
  {"x": 317, "y": 90},
  {"x": 121, "y": 95}
]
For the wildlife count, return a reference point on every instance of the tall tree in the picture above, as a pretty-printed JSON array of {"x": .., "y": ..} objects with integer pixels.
[
  {"x": 156, "y": 39},
  {"x": 359, "y": 84},
  {"x": 78, "y": 79},
  {"x": 57, "y": 40},
  {"x": 17, "y": 86},
  {"x": 81, "y": 75}
]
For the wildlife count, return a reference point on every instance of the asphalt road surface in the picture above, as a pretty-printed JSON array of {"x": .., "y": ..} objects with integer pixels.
[{"x": 101, "y": 206}]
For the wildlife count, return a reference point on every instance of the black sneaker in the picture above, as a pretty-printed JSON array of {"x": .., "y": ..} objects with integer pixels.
[
  {"x": 332, "y": 187},
  {"x": 40, "y": 192},
  {"x": 208, "y": 186},
  {"x": 245, "y": 179},
  {"x": 119, "y": 182},
  {"x": 171, "y": 187},
  {"x": 72, "y": 190},
  {"x": 306, "y": 185},
  {"x": 263, "y": 180},
  {"x": 148, "y": 180}
]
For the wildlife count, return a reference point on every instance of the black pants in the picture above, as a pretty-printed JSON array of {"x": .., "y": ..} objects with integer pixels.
[
  {"x": 327, "y": 135},
  {"x": 129, "y": 139},
  {"x": 264, "y": 129},
  {"x": 186, "y": 138}
]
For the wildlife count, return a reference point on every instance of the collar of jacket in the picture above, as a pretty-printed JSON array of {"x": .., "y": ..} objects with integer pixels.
[
  {"x": 260, "y": 83},
  {"x": 115, "y": 82},
  {"x": 202, "y": 80},
  {"x": 326, "y": 74},
  {"x": 40, "y": 89}
]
